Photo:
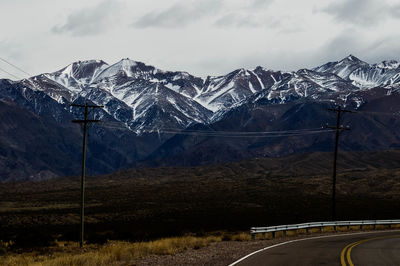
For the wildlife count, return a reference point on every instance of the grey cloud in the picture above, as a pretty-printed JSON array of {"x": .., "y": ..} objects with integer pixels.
[
  {"x": 180, "y": 14},
  {"x": 11, "y": 50},
  {"x": 354, "y": 42},
  {"x": 383, "y": 49},
  {"x": 90, "y": 21},
  {"x": 348, "y": 42},
  {"x": 237, "y": 20},
  {"x": 395, "y": 11},
  {"x": 260, "y": 4},
  {"x": 362, "y": 12},
  {"x": 249, "y": 16}
]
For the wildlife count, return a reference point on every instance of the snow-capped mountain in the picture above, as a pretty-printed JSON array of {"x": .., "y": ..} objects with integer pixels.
[
  {"x": 362, "y": 74},
  {"x": 145, "y": 98},
  {"x": 149, "y": 101},
  {"x": 132, "y": 92}
]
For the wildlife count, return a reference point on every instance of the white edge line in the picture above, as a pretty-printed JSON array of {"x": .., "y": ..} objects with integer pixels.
[{"x": 304, "y": 239}]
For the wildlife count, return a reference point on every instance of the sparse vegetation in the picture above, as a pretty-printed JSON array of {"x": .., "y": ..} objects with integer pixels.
[
  {"x": 114, "y": 252},
  {"x": 142, "y": 205}
]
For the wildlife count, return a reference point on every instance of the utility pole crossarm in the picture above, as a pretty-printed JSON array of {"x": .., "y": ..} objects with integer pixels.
[{"x": 335, "y": 128}]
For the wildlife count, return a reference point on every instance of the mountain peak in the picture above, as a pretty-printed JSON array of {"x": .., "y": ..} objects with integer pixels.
[
  {"x": 78, "y": 74},
  {"x": 81, "y": 66},
  {"x": 389, "y": 64},
  {"x": 351, "y": 58},
  {"x": 90, "y": 61},
  {"x": 125, "y": 66},
  {"x": 126, "y": 62}
]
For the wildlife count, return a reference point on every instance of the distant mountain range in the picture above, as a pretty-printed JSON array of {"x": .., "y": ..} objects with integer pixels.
[{"x": 145, "y": 109}]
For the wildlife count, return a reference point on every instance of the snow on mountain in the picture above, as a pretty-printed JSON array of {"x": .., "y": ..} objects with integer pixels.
[
  {"x": 362, "y": 74},
  {"x": 125, "y": 67},
  {"x": 303, "y": 83},
  {"x": 224, "y": 91},
  {"x": 146, "y": 98},
  {"x": 78, "y": 75},
  {"x": 128, "y": 90},
  {"x": 130, "y": 103}
]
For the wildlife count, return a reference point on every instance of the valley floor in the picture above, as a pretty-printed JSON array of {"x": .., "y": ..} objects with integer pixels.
[{"x": 148, "y": 204}]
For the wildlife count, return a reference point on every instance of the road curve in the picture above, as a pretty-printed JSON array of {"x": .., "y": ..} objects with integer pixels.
[{"x": 367, "y": 248}]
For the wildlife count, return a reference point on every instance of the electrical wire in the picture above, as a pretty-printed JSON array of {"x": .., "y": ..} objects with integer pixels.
[
  {"x": 246, "y": 136},
  {"x": 236, "y": 134},
  {"x": 242, "y": 132},
  {"x": 16, "y": 67},
  {"x": 230, "y": 134},
  {"x": 377, "y": 113},
  {"x": 12, "y": 75}
]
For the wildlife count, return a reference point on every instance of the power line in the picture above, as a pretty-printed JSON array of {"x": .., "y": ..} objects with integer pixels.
[
  {"x": 242, "y": 132},
  {"x": 215, "y": 134},
  {"x": 12, "y": 75},
  {"x": 16, "y": 67},
  {"x": 211, "y": 133},
  {"x": 378, "y": 113}
]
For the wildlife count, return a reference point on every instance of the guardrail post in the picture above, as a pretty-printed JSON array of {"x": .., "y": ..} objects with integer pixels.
[{"x": 336, "y": 225}]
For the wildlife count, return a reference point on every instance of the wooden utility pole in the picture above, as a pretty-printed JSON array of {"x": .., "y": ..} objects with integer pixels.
[
  {"x": 85, "y": 121},
  {"x": 337, "y": 129}
]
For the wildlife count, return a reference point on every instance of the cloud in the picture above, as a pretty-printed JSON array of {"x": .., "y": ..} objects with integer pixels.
[
  {"x": 347, "y": 42},
  {"x": 237, "y": 20},
  {"x": 91, "y": 21},
  {"x": 12, "y": 49},
  {"x": 362, "y": 12},
  {"x": 260, "y": 4},
  {"x": 180, "y": 14},
  {"x": 383, "y": 49},
  {"x": 248, "y": 16},
  {"x": 371, "y": 50}
]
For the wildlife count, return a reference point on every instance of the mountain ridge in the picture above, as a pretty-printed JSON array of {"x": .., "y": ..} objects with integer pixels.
[
  {"x": 130, "y": 85},
  {"x": 145, "y": 108}
]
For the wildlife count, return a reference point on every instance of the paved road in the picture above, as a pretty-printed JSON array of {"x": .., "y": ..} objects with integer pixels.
[{"x": 375, "y": 248}]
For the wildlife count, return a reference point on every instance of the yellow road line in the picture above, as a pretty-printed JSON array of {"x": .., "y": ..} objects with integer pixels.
[
  {"x": 346, "y": 252},
  {"x": 348, "y": 255},
  {"x": 342, "y": 255}
]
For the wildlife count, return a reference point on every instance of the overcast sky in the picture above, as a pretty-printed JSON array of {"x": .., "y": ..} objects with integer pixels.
[{"x": 203, "y": 37}]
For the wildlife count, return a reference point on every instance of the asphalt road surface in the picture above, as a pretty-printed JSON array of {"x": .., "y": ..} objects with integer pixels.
[{"x": 373, "y": 248}]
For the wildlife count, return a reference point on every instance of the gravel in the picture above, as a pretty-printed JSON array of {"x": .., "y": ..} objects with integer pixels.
[{"x": 219, "y": 253}]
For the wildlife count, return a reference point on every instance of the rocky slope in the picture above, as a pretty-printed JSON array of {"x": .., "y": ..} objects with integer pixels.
[{"x": 145, "y": 108}]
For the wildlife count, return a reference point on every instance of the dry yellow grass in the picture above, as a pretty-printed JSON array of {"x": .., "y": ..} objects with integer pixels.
[
  {"x": 113, "y": 253},
  {"x": 395, "y": 226},
  {"x": 241, "y": 237}
]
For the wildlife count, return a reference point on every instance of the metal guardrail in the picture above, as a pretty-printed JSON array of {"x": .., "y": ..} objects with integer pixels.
[{"x": 321, "y": 225}]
